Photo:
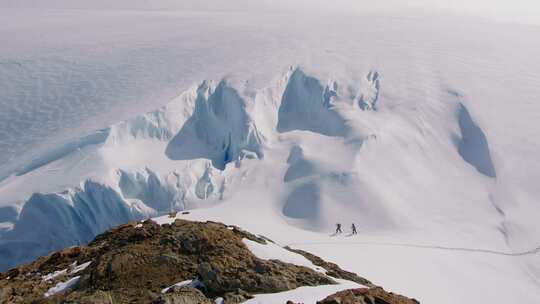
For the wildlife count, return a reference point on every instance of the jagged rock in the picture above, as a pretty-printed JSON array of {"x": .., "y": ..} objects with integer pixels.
[
  {"x": 238, "y": 296},
  {"x": 99, "y": 297},
  {"x": 134, "y": 262},
  {"x": 184, "y": 295},
  {"x": 332, "y": 269},
  {"x": 375, "y": 295},
  {"x": 5, "y": 293},
  {"x": 139, "y": 262}
]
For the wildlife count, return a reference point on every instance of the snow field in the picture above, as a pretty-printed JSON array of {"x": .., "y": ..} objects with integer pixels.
[{"x": 424, "y": 136}]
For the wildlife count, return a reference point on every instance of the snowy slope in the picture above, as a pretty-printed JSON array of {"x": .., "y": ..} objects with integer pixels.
[{"x": 425, "y": 136}]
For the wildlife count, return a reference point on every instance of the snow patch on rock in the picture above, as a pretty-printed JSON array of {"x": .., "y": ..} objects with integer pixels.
[
  {"x": 53, "y": 275},
  {"x": 79, "y": 268},
  {"x": 62, "y": 286},
  {"x": 304, "y": 294},
  {"x": 271, "y": 251},
  {"x": 186, "y": 283}
]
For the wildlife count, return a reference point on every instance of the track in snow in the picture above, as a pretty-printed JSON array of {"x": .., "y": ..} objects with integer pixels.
[{"x": 521, "y": 253}]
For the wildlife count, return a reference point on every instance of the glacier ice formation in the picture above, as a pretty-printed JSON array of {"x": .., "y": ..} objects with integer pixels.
[{"x": 307, "y": 139}]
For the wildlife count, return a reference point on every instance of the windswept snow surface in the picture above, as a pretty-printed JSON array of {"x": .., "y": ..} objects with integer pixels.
[
  {"x": 422, "y": 130},
  {"x": 306, "y": 294},
  {"x": 312, "y": 294},
  {"x": 271, "y": 251}
]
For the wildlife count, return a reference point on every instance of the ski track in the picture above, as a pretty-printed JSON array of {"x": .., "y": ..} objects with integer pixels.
[{"x": 463, "y": 249}]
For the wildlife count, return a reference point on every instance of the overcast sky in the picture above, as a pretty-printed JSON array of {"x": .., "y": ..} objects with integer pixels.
[{"x": 516, "y": 10}]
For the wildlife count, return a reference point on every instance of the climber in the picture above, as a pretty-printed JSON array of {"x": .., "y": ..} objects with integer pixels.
[
  {"x": 353, "y": 229},
  {"x": 338, "y": 228}
]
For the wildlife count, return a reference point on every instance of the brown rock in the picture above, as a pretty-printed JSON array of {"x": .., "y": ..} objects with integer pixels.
[
  {"x": 184, "y": 295},
  {"x": 238, "y": 296},
  {"x": 5, "y": 294},
  {"x": 99, "y": 297},
  {"x": 133, "y": 264},
  {"x": 375, "y": 295},
  {"x": 332, "y": 269}
]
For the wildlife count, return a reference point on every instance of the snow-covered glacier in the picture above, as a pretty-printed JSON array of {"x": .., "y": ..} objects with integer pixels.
[
  {"x": 189, "y": 152},
  {"x": 425, "y": 137},
  {"x": 188, "y": 143}
]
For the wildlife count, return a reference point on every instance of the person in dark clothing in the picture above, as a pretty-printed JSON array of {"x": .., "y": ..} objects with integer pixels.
[
  {"x": 338, "y": 228},
  {"x": 353, "y": 229}
]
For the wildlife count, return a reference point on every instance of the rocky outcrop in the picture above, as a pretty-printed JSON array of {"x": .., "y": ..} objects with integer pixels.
[
  {"x": 375, "y": 295},
  {"x": 183, "y": 295},
  {"x": 135, "y": 262},
  {"x": 178, "y": 263},
  {"x": 332, "y": 269}
]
